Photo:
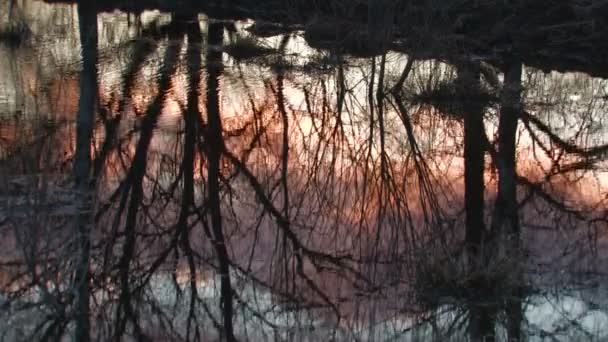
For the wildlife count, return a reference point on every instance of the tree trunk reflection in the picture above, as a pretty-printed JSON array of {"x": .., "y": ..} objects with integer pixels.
[
  {"x": 481, "y": 312},
  {"x": 214, "y": 148},
  {"x": 87, "y": 17}
]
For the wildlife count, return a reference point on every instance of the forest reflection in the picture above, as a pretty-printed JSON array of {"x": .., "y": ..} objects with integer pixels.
[{"x": 248, "y": 188}]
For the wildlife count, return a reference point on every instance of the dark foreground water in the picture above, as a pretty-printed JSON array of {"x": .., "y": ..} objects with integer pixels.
[{"x": 243, "y": 184}]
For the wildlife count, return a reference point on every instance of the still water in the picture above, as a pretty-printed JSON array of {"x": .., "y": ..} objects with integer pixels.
[{"x": 319, "y": 195}]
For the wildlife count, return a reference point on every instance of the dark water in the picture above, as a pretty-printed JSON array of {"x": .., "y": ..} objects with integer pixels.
[{"x": 262, "y": 188}]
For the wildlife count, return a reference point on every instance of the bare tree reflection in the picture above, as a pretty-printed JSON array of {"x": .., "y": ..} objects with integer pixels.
[
  {"x": 214, "y": 149},
  {"x": 246, "y": 196},
  {"x": 87, "y": 16}
]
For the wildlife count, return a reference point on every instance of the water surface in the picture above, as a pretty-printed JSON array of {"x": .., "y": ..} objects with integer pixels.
[{"x": 338, "y": 206}]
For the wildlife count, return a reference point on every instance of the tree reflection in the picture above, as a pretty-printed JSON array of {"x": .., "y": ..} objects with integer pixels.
[{"x": 264, "y": 196}]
